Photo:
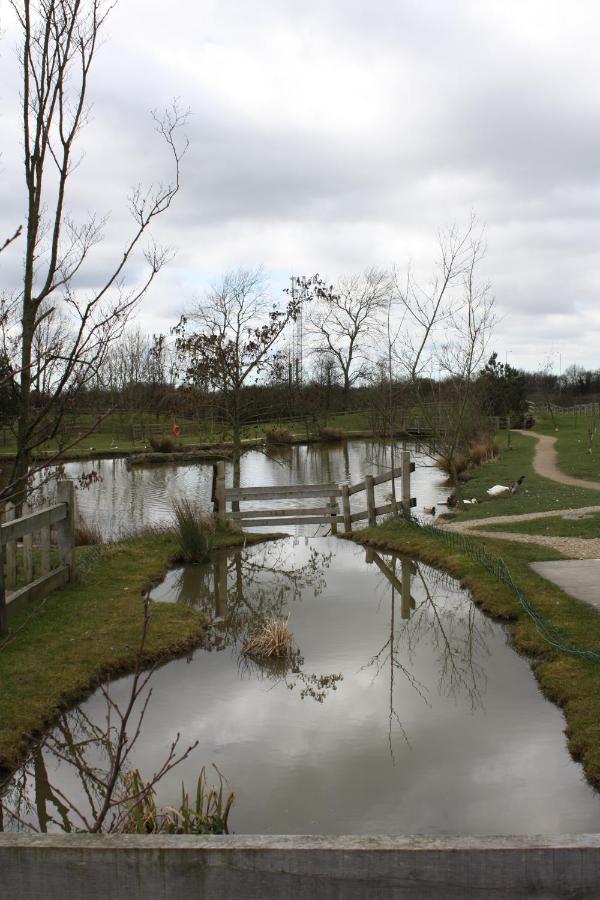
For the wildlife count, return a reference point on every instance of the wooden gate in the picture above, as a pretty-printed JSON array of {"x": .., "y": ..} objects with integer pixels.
[{"x": 327, "y": 512}]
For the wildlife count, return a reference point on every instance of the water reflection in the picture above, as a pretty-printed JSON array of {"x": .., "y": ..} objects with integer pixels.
[
  {"x": 132, "y": 498},
  {"x": 437, "y": 726}
]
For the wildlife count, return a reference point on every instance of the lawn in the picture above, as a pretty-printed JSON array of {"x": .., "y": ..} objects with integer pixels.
[
  {"x": 576, "y": 436},
  {"x": 555, "y": 526},
  {"x": 537, "y": 495}
]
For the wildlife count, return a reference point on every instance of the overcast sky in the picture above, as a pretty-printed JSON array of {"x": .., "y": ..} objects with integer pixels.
[{"x": 329, "y": 135}]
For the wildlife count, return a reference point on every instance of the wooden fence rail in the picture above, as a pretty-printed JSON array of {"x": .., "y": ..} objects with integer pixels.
[
  {"x": 59, "y": 517},
  {"x": 325, "y": 513}
]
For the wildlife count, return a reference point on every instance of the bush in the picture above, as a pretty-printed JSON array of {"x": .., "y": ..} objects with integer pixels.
[
  {"x": 194, "y": 531},
  {"x": 164, "y": 445},
  {"x": 279, "y": 436},
  {"x": 331, "y": 434}
]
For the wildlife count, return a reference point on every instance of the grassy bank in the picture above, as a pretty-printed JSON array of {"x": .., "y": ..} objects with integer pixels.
[
  {"x": 88, "y": 632},
  {"x": 116, "y": 436},
  {"x": 572, "y": 683},
  {"x": 537, "y": 495}
]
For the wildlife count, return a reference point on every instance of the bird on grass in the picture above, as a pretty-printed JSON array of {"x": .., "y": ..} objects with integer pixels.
[
  {"x": 516, "y": 487},
  {"x": 499, "y": 489}
]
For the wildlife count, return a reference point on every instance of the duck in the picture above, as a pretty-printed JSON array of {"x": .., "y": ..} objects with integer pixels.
[
  {"x": 429, "y": 510},
  {"x": 516, "y": 487},
  {"x": 470, "y": 502},
  {"x": 498, "y": 489}
]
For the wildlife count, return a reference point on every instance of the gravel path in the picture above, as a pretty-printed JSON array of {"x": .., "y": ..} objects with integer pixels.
[{"x": 545, "y": 463}]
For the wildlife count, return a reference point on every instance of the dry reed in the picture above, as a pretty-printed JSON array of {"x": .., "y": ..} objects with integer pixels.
[{"x": 271, "y": 640}]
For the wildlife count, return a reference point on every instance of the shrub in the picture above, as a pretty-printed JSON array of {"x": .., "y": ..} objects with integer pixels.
[
  {"x": 194, "y": 531},
  {"x": 331, "y": 434},
  {"x": 278, "y": 436},
  {"x": 271, "y": 640},
  {"x": 164, "y": 445}
]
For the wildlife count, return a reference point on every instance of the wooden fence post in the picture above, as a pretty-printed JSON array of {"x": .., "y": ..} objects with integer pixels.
[
  {"x": 65, "y": 493},
  {"x": 27, "y": 550},
  {"x": 405, "y": 600},
  {"x": 346, "y": 508},
  {"x": 370, "y": 489},
  {"x": 405, "y": 481},
  {"x": 45, "y": 549},
  {"x": 10, "y": 551},
  {"x": 334, "y": 513},
  {"x": 220, "y": 494},
  {"x": 3, "y": 613}
]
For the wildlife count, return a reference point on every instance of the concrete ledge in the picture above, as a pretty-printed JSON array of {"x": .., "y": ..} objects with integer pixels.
[{"x": 132, "y": 867}]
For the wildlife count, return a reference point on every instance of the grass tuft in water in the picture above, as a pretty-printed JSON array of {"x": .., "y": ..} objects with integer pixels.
[
  {"x": 271, "y": 640},
  {"x": 194, "y": 531}
]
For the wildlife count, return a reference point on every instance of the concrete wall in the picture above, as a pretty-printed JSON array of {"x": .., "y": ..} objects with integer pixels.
[{"x": 132, "y": 867}]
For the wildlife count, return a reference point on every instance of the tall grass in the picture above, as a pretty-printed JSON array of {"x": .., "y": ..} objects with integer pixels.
[
  {"x": 194, "y": 531},
  {"x": 87, "y": 533},
  {"x": 208, "y": 813}
]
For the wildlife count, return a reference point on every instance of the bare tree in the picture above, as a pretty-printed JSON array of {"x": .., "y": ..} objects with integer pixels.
[
  {"x": 235, "y": 329},
  {"x": 59, "y": 40},
  {"x": 344, "y": 319},
  {"x": 440, "y": 344}
]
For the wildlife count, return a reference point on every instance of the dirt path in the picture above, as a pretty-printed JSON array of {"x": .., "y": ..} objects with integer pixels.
[{"x": 545, "y": 463}]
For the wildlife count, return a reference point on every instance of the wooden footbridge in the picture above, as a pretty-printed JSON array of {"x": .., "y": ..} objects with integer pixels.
[{"x": 326, "y": 513}]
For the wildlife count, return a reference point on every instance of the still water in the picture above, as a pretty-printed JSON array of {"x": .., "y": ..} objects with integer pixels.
[
  {"x": 131, "y": 498},
  {"x": 407, "y": 711}
]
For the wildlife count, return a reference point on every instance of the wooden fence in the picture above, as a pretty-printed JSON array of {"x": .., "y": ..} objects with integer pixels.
[
  {"x": 18, "y": 563},
  {"x": 326, "y": 513}
]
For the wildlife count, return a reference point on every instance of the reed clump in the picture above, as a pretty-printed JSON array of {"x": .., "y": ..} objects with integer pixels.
[
  {"x": 87, "y": 533},
  {"x": 279, "y": 436},
  {"x": 483, "y": 450},
  {"x": 272, "y": 639},
  {"x": 331, "y": 434},
  {"x": 207, "y": 813},
  {"x": 195, "y": 531}
]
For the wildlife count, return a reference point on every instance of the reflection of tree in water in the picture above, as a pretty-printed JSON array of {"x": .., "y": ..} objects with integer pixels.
[
  {"x": 91, "y": 762},
  {"x": 239, "y": 589},
  {"x": 451, "y": 625}
]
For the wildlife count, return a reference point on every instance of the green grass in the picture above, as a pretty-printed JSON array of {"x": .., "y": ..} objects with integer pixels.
[
  {"x": 573, "y": 443},
  {"x": 537, "y": 495},
  {"x": 571, "y": 682},
  {"x": 88, "y": 632},
  {"x": 555, "y": 526},
  {"x": 115, "y": 436}
]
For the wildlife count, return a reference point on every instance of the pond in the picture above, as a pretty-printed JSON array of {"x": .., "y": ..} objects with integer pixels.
[
  {"x": 132, "y": 498},
  {"x": 406, "y": 712}
]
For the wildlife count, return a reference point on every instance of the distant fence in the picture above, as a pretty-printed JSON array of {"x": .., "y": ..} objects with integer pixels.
[
  {"x": 324, "y": 514},
  {"x": 19, "y": 580}
]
